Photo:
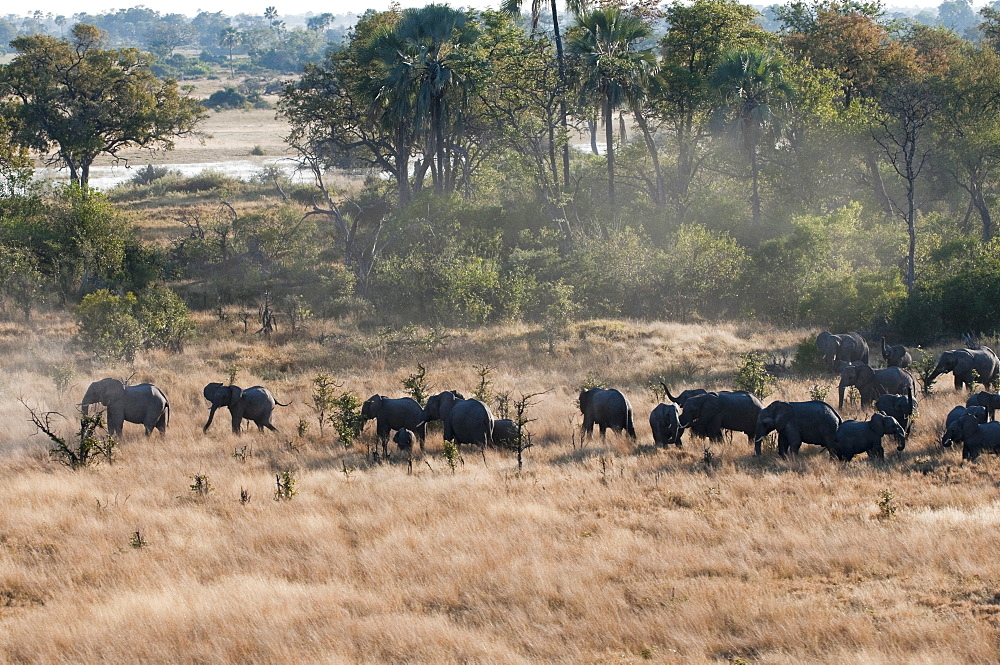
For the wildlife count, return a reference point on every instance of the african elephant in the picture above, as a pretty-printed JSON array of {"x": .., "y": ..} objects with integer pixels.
[
  {"x": 255, "y": 403},
  {"x": 952, "y": 424},
  {"x": 873, "y": 382},
  {"x": 394, "y": 414},
  {"x": 681, "y": 399},
  {"x": 977, "y": 438},
  {"x": 900, "y": 407},
  {"x": 896, "y": 355},
  {"x": 707, "y": 415},
  {"x": 466, "y": 421},
  {"x": 963, "y": 362},
  {"x": 403, "y": 438},
  {"x": 505, "y": 433},
  {"x": 849, "y": 347},
  {"x": 665, "y": 422},
  {"x": 606, "y": 408},
  {"x": 865, "y": 436},
  {"x": 797, "y": 423},
  {"x": 989, "y": 401},
  {"x": 144, "y": 404}
]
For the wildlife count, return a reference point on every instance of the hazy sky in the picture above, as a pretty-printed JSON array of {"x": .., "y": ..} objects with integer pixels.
[{"x": 233, "y": 7}]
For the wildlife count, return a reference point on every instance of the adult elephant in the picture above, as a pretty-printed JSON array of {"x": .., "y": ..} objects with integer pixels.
[
  {"x": 144, "y": 404},
  {"x": 848, "y": 347},
  {"x": 606, "y": 408},
  {"x": 896, "y": 355},
  {"x": 873, "y": 382},
  {"x": 394, "y": 414},
  {"x": 812, "y": 422},
  {"x": 682, "y": 399},
  {"x": 963, "y": 362},
  {"x": 952, "y": 424},
  {"x": 900, "y": 407},
  {"x": 987, "y": 400},
  {"x": 977, "y": 437},
  {"x": 665, "y": 422},
  {"x": 467, "y": 421},
  {"x": 707, "y": 415},
  {"x": 255, "y": 404},
  {"x": 865, "y": 436}
]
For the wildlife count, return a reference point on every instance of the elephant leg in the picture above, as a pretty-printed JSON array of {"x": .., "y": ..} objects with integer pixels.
[
  {"x": 237, "y": 422},
  {"x": 421, "y": 431},
  {"x": 604, "y": 431},
  {"x": 876, "y": 452},
  {"x": 208, "y": 423},
  {"x": 782, "y": 444},
  {"x": 794, "y": 439},
  {"x": 267, "y": 424}
]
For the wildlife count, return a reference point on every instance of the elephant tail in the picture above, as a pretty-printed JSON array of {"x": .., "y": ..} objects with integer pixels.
[
  {"x": 165, "y": 417},
  {"x": 629, "y": 425},
  {"x": 277, "y": 403}
]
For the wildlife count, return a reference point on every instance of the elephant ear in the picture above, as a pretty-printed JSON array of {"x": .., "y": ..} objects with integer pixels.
[
  {"x": 585, "y": 399},
  {"x": 782, "y": 414},
  {"x": 864, "y": 374},
  {"x": 235, "y": 393},
  {"x": 878, "y": 423},
  {"x": 710, "y": 407},
  {"x": 111, "y": 390},
  {"x": 211, "y": 391}
]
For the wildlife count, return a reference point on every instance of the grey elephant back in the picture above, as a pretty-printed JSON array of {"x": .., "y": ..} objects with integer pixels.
[
  {"x": 469, "y": 422},
  {"x": 817, "y": 422},
  {"x": 607, "y": 408}
]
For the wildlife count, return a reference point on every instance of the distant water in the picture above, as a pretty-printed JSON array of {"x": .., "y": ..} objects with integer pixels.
[{"x": 106, "y": 177}]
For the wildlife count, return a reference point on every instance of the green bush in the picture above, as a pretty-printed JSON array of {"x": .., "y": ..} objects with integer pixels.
[
  {"x": 115, "y": 327},
  {"x": 753, "y": 377},
  {"x": 808, "y": 360}
]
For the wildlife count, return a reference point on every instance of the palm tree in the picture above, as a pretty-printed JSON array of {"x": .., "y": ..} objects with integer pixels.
[
  {"x": 611, "y": 66},
  {"x": 423, "y": 78},
  {"x": 753, "y": 95},
  {"x": 230, "y": 38}
]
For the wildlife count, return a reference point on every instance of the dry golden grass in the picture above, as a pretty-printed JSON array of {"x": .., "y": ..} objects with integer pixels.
[{"x": 607, "y": 553}]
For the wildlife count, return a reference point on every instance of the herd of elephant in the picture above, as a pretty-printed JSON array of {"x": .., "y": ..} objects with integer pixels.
[{"x": 704, "y": 413}]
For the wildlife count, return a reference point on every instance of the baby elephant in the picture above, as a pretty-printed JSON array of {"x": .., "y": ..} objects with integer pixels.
[
  {"x": 403, "y": 438},
  {"x": 987, "y": 400},
  {"x": 666, "y": 425},
  {"x": 865, "y": 436},
  {"x": 977, "y": 438}
]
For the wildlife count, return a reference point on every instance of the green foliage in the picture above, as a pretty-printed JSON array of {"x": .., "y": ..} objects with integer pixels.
[
  {"x": 819, "y": 393},
  {"x": 116, "y": 327},
  {"x": 451, "y": 455},
  {"x": 808, "y": 359},
  {"x": 200, "y": 486},
  {"x": 62, "y": 374},
  {"x": 87, "y": 449},
  {"x": 752, "y": 375},
  {"x": 923, "y": 365},
  {"x": 286, "y": 486},
  {"x": 346, "y": 417},
  {"x": 417, "y": 386},
  {"x": 484, "y": 391},
  {"x": 886, "y": 504},
  {"x": 324, "y": 397}
]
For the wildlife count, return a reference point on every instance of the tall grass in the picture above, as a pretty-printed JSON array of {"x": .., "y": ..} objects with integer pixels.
[{"x": 610, "y": 553}]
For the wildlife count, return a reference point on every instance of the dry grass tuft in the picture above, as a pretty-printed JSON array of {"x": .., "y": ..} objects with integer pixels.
[{"x": 595, "y": 553}]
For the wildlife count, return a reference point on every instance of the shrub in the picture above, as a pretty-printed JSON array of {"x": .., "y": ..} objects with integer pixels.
[
  {"x": 148, "y": 174},
  {"x": 808, "y": 359},
  {"x": 229, "y": 98},
  {"x": 753, "y": 377},
  {"x": 115, "y": 327}
]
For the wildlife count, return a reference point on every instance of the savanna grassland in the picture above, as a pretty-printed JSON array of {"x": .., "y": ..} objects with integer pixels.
[{"x": 604, "y": 552}]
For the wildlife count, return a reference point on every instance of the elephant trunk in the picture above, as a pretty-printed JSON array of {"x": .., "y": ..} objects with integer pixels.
[
  {"x": 840, "y": 391},
  {"x": 211, "y": 415},
  {"x": 666, "y": 391}
]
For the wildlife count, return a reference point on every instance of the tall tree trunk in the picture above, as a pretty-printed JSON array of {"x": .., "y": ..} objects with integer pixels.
[
  {"x": 878, "y": 185},
  {"x": 592, "y": 125},
  {"x": 979, "y": 201},
  {"x": 658, "y": 195},
  {"x": 564, "y": 121},
  {"x": 755, "y": 177},
  {"x": 911, "y": 229},
  {"x": 609, "y": 134}
]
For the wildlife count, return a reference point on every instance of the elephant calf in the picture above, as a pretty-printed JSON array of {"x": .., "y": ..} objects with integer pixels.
[
  {"x": 465, "y": 420},
  {"x": 666, "y": 425},
  {"x": 255, "y": 403},
  {"x": 900, "y": 407},
  {"x": 707, "y": 415},
  {"x": 404, "y": 441},
  {"x": 606, "y": 408},
  {"x": 865, "y": 436},
  {"x": 872, "y": 383},
  {"x": 896, "y": 355},
  {"x": 952, "y": 426},
  {"x": 505, "y": 433}
]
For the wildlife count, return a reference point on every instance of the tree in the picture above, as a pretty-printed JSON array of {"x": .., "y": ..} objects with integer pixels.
[
  {"x": 907, "y": 107},
  {"x": 423, "y": 79},
  {"x": 229, "y": 39},
  {"x": 84, "y": 101},
  {"x": 753, "y": 93},
  {"x": 699, "y": 34},
  {"x": 611, "y": 66}
]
